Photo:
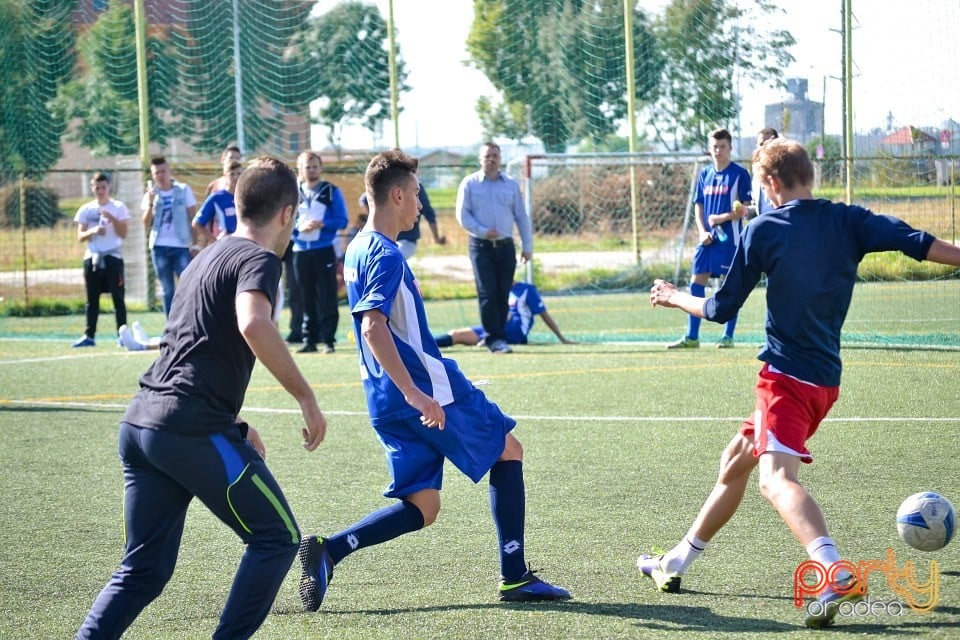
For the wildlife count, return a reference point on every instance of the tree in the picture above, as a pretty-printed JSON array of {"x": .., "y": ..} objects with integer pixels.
[
  {"x": 273, "y": 82},
  {"x": 707, "y": 45},
  {"x": 104, "y": 101},
  {"x": 502, "y": 119},
  {"x": 347, "y": 50},
  {"x": 36, "y": 55},
  {"x": 564, "y": 62}
]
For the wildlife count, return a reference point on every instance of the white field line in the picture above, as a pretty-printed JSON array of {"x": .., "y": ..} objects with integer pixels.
[{"x": 518, "y": 418}]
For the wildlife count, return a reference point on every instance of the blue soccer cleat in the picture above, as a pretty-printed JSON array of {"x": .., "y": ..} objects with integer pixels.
[
  {"x": 530, "y": 588},
  {"x": 316, "y": 571}
]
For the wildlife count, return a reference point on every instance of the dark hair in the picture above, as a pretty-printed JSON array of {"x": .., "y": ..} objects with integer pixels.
[
  {"x": 265, "y": 187},
  {"x": 788, "y": 160},
  {"x": 721, "y": 134},
  {"x": 388, "y": 170},
  {"x": 234, "y": 148},
  {"x": 100, "y": 176},
  {"x": 768, "y": 133},
  {"x": 157, "y": 160}
]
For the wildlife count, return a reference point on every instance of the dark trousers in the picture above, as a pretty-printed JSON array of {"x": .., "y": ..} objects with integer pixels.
[
  {"x": 162, "y": 473},
  {"x": 493, "y": 265},
  {"x": 100, "y": 279},
  {"x": 317, "y": 274},
  {"x": 292, "y": 294}
]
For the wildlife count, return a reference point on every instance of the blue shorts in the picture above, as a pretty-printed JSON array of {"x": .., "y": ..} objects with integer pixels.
[
  {"x": 473, "y": 439},
  {"x": 714, "y": 259}
]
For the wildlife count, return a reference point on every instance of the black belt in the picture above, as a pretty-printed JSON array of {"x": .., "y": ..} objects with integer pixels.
[{"x": 498, "y": 242}]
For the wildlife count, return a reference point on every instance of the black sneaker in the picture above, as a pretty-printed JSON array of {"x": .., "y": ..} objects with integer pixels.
[
  {"x": 308, "y": 348},
  {"x": 316, "y": 571},
  {"x": 294, "y": 338},
  {"x": 530, "y": 588}
]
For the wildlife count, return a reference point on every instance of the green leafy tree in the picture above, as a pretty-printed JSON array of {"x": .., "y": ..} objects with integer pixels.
[
  {"x": 348, "y": 50},
  {"x": 502, "y": 119},
  {"x": 564, "y": 62},
  {"x": 707, "y": 46},
  {"x": 103, "y": 102},
  {"x": 273, "y": 81},
  {"x": 36, "y": 55}
]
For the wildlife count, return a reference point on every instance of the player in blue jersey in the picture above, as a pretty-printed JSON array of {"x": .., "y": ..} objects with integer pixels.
[
  {"x": 423, "y": 408},
  {"x": 217, "y": 216},
  {"x": 719, "y": 224},
  {"x": 524, "y": 305},
  {"x": 809, "y": 251}
]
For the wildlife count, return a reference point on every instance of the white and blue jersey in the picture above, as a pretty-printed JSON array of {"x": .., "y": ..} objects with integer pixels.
[
  {"x": 524, "y": 306},
  {"x": 219, "y": 208},
  {"x": 377, "y": 277},
  {"x": 716, "y": 191}
]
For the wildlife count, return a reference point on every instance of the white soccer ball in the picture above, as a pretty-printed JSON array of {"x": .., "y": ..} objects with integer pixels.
[{"x": 926, "y": 521}]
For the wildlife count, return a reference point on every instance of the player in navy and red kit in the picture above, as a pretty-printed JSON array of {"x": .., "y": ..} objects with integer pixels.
[
  {"x": 423, "y": 408},
  {"x": 719, "y": 225},
  {"x": 181, "y": 436},
  {"x": 809, "y": 251}
]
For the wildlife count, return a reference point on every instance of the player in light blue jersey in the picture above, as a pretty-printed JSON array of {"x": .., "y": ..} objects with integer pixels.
[
  {"x": 422, "y": 407},
  {"x": 719, "y": 224},
  {"x": 524, "y": 305}
]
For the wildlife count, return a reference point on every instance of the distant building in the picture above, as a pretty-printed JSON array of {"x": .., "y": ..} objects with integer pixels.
[
  {"x": 441, "y": 168},
  {"x": 796, "y": 117}
]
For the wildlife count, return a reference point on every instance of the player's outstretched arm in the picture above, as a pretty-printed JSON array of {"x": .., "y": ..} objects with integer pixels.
[
  {"x": 376, "y": 333},
  {"x": 549, "y": 321},
  {"x": 944, "y": 253},
  {"x": 664, "y": 294},
  {"x": 255, "y": 320}
]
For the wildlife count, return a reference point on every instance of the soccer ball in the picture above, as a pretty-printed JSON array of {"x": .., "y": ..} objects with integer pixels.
[{"x": 926, "y": 521}]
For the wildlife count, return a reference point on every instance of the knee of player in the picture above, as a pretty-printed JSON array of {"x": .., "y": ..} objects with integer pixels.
[
  {"x": 428, "y": 503},
  {"x": 771, "y": 484},
  {"x": 512, "y": 449},
  {"x": 429, "y": 513}
]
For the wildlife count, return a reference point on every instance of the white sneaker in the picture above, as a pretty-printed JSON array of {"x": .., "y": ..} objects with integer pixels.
[
  {"x": 128, "y": 341},
  {"x": 139, "y": 334}
]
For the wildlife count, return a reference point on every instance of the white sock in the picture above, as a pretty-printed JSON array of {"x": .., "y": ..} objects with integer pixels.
[
  {"x": 679, "y": 559},
  {"x": 824, "y": 551}
]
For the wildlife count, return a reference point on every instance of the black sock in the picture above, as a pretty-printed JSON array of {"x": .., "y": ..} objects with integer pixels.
[{"x": 508, "y": 504}]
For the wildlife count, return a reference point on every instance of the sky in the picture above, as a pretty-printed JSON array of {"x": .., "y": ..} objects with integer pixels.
[{"x": 905, "y": 68}]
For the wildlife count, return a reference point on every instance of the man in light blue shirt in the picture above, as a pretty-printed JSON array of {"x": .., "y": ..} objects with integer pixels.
[{"x": 489, "y": 205}]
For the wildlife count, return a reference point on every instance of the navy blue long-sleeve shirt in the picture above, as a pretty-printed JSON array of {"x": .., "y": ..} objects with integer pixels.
[{"x": 809, "y": 250}]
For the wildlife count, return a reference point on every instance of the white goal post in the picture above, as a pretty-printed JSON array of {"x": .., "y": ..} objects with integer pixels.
[{"x": 639, "y": 203}]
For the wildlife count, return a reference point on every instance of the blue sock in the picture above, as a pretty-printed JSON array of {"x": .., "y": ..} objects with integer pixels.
[
  {"x": 380, "y": 526},
  {"x": 730, "y": 326},
  {"x": 446, "y": 340},
  {"x": 508, "y": 505},
  {"x": 693, "y": 322}
]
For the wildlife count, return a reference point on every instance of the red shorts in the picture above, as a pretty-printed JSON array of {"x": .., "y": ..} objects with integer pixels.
[{"x": 787, "y": 414}]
